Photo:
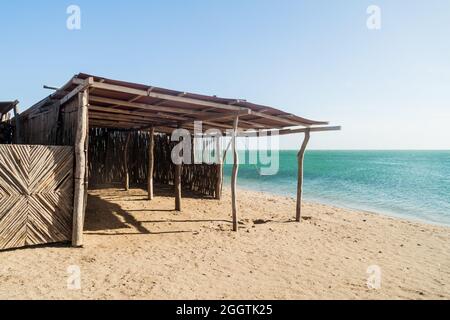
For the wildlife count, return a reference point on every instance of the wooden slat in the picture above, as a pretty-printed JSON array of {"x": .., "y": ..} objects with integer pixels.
[
  {"x": 156, "y": 115},
  {"x": 80, "y": 169},
  {"x": 36, "y": 195},
  {"x": 234, "y": 174},
  {"x": 117, "y": 88},
  {"x": 77, "y": 90},
  {"x": 300, "y": 158},
  {"x": 288, "y": 131}
]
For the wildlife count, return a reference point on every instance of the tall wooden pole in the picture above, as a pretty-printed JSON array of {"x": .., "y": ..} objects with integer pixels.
[
  {"x": 151, "y": 164},
  {"x": 234, "y": 174},
  {"x": 80, "y": 170},
  {"x": 177, "y": 183},
  {"x": 86, "y": 152},
  {"x": 125, "y": 163},
  {"x": 219, "y": 167},
  {"x": 300, "y": 158}
]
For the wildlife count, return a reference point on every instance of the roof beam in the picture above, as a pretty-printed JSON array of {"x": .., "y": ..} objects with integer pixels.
[
  {"x": 279, "y": 119},
  {"x": 75, "y": 91},
  {"x": 112, "y": 124},
  {"x": 315, "y": 129},
  {"x": 216, "y": 117},
  {"x": 145, "y": 93},
  {"x": 288, "y": 131},
  {"x": 304, "y": 120},
  {"x": 96, "y": 115},
  {"x": 143, "y": 106},
  {"x": 135, "y": 113}
]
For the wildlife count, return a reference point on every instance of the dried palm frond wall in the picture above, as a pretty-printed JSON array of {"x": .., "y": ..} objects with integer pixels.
[{"x": 106, "y": 162}]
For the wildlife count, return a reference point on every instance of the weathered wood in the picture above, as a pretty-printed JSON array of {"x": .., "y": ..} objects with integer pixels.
[
  {"x": 219, "y": 165},
  {"x": 300, "y": 157},
  {"x": 151, "y": 164},
  {"x": 106, "y": 162},
  {"x": 125, "y": 164},
  {"x": 17, "y": 122},
  {"x": 224, "y": 159},
  {"x": 147, "y": 107},
  {"x": 145, "y": 93},
  {"x": 80, "y": 169},
  {"x": 177, "y": 185},
  {"x": 234, "y": 174},
  {"x": 86, "y": 174},
  {"x": 80, "y": 88},
  {"x": 36, "y": 192},
  {"x": 288, "y": 131},
  {"x": 278, "y": 119}
]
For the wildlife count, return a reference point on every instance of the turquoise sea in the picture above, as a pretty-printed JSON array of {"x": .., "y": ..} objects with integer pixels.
[{"x": 408, "y": 184}]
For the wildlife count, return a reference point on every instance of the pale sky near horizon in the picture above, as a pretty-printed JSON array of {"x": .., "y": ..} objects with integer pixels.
[{"x": 388, "y": 88}]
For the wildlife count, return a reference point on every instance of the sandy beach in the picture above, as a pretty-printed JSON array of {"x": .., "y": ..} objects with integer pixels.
[{"x": 136, "y": 249}]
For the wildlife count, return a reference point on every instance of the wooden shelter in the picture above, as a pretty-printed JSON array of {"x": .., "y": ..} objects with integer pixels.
[{"x": 104, "y": 120}]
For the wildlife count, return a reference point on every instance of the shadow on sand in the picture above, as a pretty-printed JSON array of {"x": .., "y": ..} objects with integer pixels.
[{"x": 104, "y": 217}]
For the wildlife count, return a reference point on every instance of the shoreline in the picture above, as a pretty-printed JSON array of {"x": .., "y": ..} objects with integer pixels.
[
  {"x": 349, "y": 207},
  {"x": 140, "y": 249}
]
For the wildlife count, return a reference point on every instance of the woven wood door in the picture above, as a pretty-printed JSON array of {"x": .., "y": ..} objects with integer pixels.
[{"x": 36, "y": 195}]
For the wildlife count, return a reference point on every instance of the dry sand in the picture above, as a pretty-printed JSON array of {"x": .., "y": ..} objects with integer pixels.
[{"x": 135, "y": 249}]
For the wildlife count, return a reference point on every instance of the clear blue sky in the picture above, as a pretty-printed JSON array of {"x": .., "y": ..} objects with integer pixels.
[{"x": 389, "y": 89}]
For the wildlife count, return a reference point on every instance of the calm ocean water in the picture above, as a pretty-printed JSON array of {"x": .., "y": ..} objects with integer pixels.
[{"x": 407, "y": 184}]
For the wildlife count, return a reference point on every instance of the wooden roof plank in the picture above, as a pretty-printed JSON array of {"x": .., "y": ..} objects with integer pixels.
[{"x": 148, "y": 93}]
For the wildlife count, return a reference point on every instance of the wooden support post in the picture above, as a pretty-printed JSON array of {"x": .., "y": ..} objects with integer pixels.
[
  {"x": 301, "y": 157},
  {"x": 80, "y": 170},
  {"x": 125, "y": 163},
  {"x": 17, "y": 122},
  {"x": 86, "y": 174},
  {"x": 234, "y": 174},
  {"x": 224, "y": 159},
  {"x": 151, "y": 164},
  {"x": 177, "y": 183},
  {"x": 219, "y": 166}
]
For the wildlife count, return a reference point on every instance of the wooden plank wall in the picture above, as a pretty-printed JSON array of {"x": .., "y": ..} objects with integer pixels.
[
  {"x": 36, "y": 195},
  {"x": 52, "y": 125}
]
